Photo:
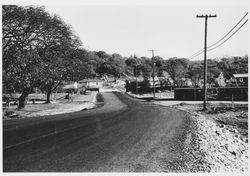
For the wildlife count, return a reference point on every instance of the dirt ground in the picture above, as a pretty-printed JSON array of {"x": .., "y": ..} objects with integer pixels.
[
  {"x": 59, "y": 105},
  {"x": 163, "y": 94},
  {"x": 219, "y": 136}
]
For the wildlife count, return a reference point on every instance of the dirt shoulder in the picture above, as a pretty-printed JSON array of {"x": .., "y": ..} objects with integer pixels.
[
  {"x": 219, "y": 136},
  {"x": 77, "y": 102},
  {"x": 163, "y": 94}
]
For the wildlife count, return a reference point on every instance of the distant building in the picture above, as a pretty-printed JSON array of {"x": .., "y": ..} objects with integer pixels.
[
  {"x": 108, "y": 78},
  {"x": 70, "y": 86},
  {"x": 156, "y": 80},
  {"x": 73, "y": 87},
  {"x": 221, "y": 81},
  {"x": 241, "y": 79},
  {"x": 120, "y": 82},
  {"x": 91, "y": 83}
]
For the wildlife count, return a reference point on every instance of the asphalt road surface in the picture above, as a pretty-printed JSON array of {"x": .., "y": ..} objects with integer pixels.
[{"x": 124, "y": 135}]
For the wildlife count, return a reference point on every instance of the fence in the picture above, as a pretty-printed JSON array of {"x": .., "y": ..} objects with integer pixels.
[{"x": 220, "y": 93}]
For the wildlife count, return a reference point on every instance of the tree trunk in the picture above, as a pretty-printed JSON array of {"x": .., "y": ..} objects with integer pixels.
[
  {"x": 50, "y": 89},
  {"x": 48, "y": 96},
  {"x": 22, "y": 99}
]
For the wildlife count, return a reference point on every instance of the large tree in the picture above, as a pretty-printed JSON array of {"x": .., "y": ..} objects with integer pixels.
[
  {"x": 114, "y": 65},
  {"x": 34, "y": 44},
  {"x": 177, "y": 69},
  {"x": 56, "y": 45},
  {"x": 233, "y": 65}
]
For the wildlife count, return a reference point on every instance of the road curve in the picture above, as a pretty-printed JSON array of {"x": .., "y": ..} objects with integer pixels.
[{"x": 123, "y": 135}]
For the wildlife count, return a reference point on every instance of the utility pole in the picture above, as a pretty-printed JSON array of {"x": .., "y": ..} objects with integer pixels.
[
  {"x": 136, "y": 81},
  {"x": 152, "y": 50},
  {"x": 205, "y": 59}
]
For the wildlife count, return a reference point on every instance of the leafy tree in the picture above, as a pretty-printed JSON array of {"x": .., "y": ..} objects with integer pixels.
[
  {"x": 159, "y": 65},
  {"x": 20, "y": 26},
  {"x": 33, "y": 42},
  {"x": 195, "y": 72},
  {"x": 233, "y": 65},
  {"x": 57, "y": 42},
  {"x": 177, "y": 69},
  {"x": 114, "y": 65},
  {"x": 102, "y": 55},
  {"x": 212, "y": 70},
  {"x": 133, "y": 64}
]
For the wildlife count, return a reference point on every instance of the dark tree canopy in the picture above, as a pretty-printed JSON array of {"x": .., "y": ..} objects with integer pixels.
[{"x": 35, "y": 47}]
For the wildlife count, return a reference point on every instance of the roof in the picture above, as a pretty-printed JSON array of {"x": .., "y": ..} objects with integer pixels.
[
  {"x": 91, "y": 80},
  {"x": 241, "y": 75},
  {"x": 70, "y": 86}
]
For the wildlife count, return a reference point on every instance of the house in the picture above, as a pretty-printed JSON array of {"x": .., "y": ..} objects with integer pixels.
[
  {"x": 241, "y": 79},
  {"x": 71, "y": 87},
  {"x": 91, "y": 83},
  {"x": 156, "y": 80},
  {"x": 221, "y": 81}
]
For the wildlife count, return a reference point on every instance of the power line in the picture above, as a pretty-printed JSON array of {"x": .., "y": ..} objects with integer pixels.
[
  {"x": 202, "y": 50},
  {"x": 229, "y": 31},
  {"x": 229, "y": 36},
  {"x": 197, "y": 54}
]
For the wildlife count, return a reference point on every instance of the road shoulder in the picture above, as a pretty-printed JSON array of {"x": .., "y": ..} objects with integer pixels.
[{"x": 217, "y": 144}]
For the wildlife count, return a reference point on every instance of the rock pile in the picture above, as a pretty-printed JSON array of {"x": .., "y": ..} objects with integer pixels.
[{"x": 224, "y": 149}]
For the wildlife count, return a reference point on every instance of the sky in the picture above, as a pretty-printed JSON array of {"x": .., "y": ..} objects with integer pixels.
[{"x": 171, "y": 28}]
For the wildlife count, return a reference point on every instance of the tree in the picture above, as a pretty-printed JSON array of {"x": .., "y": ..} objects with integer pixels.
[
  {"x": 159, "y": 65},
  {"x": 114, "y": 65},
  {"x": 55, "y": 50},
  {"x": 102, "y": 55},
  {"x": 233, "y": 65},
  {"x": 34, "y": 42},
  {"x": 177, "y": 69},
  {"x": 20, "y": 26},
  {"x": 133, "y": 65},
  {"x": 212, "y": 70},
  {"x": 195, "y": 72}
]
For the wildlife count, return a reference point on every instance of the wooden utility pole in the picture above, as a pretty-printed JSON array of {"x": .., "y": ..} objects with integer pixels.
[
  {"x": 205, "y": 59},
  {"x": 136, "y": 81},
  {"x": 152, "y": 50}
]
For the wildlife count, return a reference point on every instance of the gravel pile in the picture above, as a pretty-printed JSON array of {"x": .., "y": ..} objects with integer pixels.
[{"x": 215, "y": 147}]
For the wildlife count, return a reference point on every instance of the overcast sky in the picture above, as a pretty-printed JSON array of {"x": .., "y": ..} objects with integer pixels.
[{"x": 171, "y": 28}]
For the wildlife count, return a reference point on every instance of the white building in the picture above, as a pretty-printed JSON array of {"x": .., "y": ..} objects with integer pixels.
[
  {"x": 156, "y": 80},
  {"x": 91, "y": 83}
]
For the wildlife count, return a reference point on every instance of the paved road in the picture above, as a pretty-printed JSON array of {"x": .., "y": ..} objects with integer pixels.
[{"x": 123, "y": 135}]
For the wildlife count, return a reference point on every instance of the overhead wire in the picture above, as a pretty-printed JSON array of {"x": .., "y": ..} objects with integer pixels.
[
  {"x": 202, "y": 50},
  {"x": 229, "y": 31},
  {"x": 229, "y": 36}
]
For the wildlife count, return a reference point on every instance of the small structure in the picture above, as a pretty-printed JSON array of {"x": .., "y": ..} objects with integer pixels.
[
  {"x": 91, "y": 83},
  {"x": 241, "y": 79}
]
